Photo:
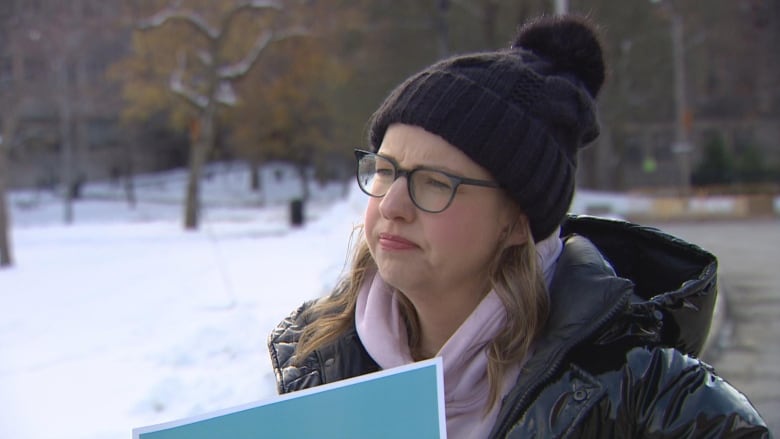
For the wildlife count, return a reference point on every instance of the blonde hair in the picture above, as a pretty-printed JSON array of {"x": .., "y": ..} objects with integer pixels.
[{"x": 514, "y": 275}]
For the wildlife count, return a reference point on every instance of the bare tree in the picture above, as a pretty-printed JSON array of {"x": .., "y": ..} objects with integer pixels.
[
  {"x": 6, "y": 258},
  {"x": 6, "y": 77},
  {"x": 211, "y": 83},
  {"x": 48, "y": 44},
  {"x": 59, "y": 36},
  {"x": 11, "y": 90}
]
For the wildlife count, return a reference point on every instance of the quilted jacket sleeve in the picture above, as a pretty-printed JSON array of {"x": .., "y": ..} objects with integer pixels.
[{"x": 282, "y": 343}]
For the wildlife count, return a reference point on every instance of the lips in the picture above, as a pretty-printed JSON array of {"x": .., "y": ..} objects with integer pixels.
[{"x": 394, "y": 242}]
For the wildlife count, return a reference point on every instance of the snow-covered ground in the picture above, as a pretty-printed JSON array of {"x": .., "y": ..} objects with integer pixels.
[{"x": 123, "y": 319}]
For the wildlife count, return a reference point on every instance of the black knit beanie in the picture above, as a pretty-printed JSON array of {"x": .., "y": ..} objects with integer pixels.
[{"x": 521, "y": 113}]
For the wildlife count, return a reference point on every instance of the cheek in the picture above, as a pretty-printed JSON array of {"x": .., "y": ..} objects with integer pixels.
[
  {"x": 465, "y": 232},
  {"x": 371, "y": 216}
]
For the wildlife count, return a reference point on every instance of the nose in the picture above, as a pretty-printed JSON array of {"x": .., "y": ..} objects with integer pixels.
[{"x": 397, "y": 202}]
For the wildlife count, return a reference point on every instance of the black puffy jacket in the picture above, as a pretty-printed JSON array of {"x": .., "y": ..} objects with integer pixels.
[{"x": 630, "y": 309}]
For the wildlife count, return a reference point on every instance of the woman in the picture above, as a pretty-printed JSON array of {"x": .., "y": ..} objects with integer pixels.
[{"x": 547, "y": 326}]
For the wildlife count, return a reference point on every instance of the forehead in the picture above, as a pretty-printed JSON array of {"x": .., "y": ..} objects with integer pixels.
[{"x": 412, "y": 146}]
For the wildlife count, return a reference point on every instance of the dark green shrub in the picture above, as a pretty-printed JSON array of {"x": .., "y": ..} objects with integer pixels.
[{"x": 717, "y": 164}]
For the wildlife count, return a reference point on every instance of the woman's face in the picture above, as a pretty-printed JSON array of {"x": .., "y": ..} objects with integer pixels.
[{"x": 431, "y": 256}]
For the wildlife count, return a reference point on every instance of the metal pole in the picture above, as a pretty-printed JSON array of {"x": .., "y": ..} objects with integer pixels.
[
  {"x": 442, "y": 28},
  {"x": 682, "y": 144},
  {"x": 561, "y": 7}
]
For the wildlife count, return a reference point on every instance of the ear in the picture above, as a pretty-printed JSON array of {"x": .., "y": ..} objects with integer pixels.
[{"x": 517, "y": 232}]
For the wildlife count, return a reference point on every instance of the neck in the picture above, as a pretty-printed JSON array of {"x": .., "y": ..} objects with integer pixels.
[{"x": 439, "y": 319}]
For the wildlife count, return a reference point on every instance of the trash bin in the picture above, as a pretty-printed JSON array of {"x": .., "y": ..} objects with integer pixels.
[{"x": 296, "y": 212}]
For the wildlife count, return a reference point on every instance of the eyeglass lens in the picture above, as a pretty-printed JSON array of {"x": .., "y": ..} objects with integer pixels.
[{"x": 430, "y": 190}]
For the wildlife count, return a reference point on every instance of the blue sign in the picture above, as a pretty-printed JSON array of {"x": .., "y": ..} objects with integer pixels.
[{"x": 407, "y": 401}]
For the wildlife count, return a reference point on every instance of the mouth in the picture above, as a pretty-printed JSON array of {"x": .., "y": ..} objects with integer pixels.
[{"x": 395, "y": 242}]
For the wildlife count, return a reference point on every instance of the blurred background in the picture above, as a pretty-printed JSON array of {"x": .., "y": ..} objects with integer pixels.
[{"x": 108, "y": 89}]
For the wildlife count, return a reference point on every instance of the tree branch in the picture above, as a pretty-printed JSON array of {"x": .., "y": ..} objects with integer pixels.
[
  {"x": 190, "y": 18},
  {"x": 177, "y": 85},
  {"x": 254, "y": 4},
  {"x": 225, "y": 94},
  {"x": 240, "y": 68},
  {"x": 196, "y": 21}
]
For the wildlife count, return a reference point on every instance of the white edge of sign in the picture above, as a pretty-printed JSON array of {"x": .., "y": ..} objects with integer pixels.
[{"x": 436, "y": 362}]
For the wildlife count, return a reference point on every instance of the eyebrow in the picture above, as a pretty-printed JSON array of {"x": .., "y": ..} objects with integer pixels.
[{"x": 424, "y": 166}]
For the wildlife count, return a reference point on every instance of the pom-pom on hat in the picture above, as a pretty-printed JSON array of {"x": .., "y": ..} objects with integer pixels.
[{"x": 521, "y": 113}]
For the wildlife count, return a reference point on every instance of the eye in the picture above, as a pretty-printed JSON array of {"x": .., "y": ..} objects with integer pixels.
[
  {"x": 435, "y": 180},
  {"x": 384, "y": 170}
]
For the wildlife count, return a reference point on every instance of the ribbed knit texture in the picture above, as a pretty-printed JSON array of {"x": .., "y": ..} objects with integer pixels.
[{"x": 508, "y": 115}]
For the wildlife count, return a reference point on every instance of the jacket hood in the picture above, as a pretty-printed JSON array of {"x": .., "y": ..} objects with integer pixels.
[{"x": 675, "y": 282}]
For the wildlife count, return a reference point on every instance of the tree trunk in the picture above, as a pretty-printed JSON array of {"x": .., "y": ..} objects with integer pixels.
[
  {"x": 5, "y": 243},
  {"x": 129, "y": 178},
  {"x": 202, "y": 141},
  {"x": 79, "y": 131},
  {"x": 127, "y": 170},
  {"x": 256, "y": 180},
  {"x": 254, "y": 176},
  {"x": 192, "y": 196},
  {"x": 66, "y": 147}
]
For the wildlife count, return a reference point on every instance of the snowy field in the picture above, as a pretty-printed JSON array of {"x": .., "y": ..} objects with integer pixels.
[{"x": 123, "y": 319}]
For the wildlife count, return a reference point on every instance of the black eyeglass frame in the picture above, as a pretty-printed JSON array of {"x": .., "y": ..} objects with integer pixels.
[{"x": 399, "y": 172}]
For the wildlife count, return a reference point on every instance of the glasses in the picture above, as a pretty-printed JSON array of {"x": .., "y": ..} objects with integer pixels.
[{"x": 431, "y": 190}]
